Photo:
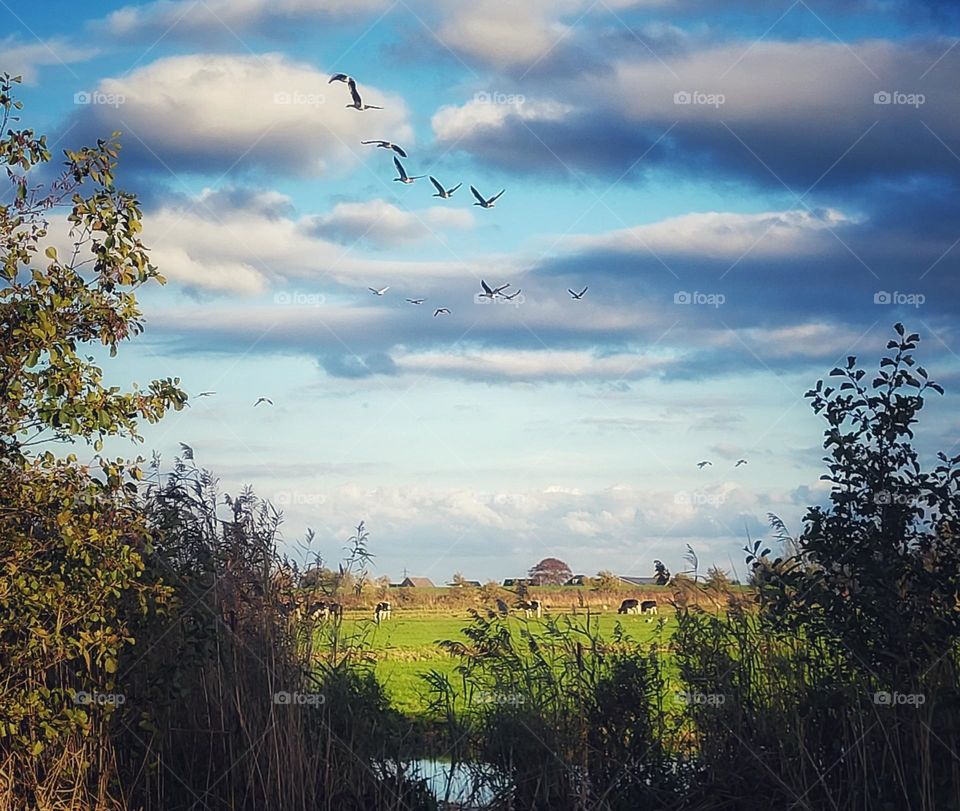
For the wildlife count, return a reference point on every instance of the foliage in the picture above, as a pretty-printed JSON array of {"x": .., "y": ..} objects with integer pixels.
[{"x": 550, "y": 571}]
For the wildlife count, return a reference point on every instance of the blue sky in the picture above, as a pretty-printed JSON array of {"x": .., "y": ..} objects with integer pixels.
[{"x": 751, "y": 190}]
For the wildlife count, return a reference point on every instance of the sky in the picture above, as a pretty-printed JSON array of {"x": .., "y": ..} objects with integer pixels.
[{"x": 750, "y": 190}]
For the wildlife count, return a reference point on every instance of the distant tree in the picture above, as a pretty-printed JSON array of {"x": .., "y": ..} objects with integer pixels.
[
  {"x": 661, "y": 572},
  {"x": 607, "y": 581},
  {"x": 717, "y": 580},
  {"x": 459, "y": 580},
  {"x": 550, "y": 572}
]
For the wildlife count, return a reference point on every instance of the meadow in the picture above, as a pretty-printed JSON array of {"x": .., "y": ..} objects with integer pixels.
[{"x": 407, "y": 647}]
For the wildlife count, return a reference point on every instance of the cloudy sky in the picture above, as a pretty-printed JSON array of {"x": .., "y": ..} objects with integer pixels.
[{"x": 751, "y": 190}]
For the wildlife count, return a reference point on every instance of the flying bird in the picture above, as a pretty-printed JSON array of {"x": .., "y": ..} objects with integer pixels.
[
  {"x": 416, "y": 300},
  {"x": 206, "y": 394},
  {"x": 441, "y": 311},
  {"x": 702, "y": 465},
  {"x": 491, "y": 292},
  {"x": 379, "y": 292},
  {"x": 575, "y": 295},
  {"x": 266, "y": 400},
  {"x": 740, "y": 462},
  {"x": 387, "y": 145},
  {"x": 486, "y": 203},
  {"x": 357, "y": 101},
  {"x": 446, "y": 194},
  {"x": 404, "y": 178}
]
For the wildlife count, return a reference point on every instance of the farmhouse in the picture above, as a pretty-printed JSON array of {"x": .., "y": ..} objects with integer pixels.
[
  {"x": 417, "y": 582},
  {"x": 578, "y": 580}
]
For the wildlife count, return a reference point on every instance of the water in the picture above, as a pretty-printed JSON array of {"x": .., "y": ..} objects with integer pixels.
[{"x": 454, "y": 783}]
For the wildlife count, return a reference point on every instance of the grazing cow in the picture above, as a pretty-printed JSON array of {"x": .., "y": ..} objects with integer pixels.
[
  {"x": 335, "y": 611},
  {"x": 319, "y": 610},
  {"x": 381, "y": 612},
  {"x": 630, "y": 606},
  {"x": 530, "y": 607},
  {"x": 649, "y": 607}
]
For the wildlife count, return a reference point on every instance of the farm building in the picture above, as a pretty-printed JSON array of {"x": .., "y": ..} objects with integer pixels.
[
  {"x": 465, "y": 584},
  {"x": 417, "y": 582},
  {"x": 512, "y": 582},
  {"x": 578, "y": 580},
  {"x": 637, "y": 581}
]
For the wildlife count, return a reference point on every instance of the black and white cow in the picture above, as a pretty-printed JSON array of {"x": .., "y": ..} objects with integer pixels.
[
  {"x": 381, "y": 612},
  {"x": 630, "y": 606},
  {"x": 648, "y": 607},
  {"x": 530, "y": 607}
]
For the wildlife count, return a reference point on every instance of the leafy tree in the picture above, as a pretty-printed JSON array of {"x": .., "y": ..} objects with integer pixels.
[
  {"x": 879, "y": 568},
  {"x": 550, "y": 571},
  {"x": 607, "y": 581},
  {"x": 72, "y": 543}
]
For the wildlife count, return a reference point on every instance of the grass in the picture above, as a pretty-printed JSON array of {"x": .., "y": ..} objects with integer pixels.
[{"x": 406, "y": 647}]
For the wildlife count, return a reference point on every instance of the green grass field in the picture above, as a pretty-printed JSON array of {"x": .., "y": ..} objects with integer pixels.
[{"x": 407, "y": 647}]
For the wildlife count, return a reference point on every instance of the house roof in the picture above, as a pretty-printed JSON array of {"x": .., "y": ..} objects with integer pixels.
[
  {"x": 421, "y": 582},
  {"x": 638, "y": 581}
]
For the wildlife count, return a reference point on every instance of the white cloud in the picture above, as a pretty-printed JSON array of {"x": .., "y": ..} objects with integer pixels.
[
  {"x": 25, "y": 59},
  {"x": 725, "y": 235},
  {"x": 383, "y": 224},
  {"x": 453, "y": 123},
  {"x": 227, "y": 16},
  {"x": 204, "y": 112}
]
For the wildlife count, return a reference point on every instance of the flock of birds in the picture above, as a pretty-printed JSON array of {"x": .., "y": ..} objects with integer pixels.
[
  {"x": 442, "y": 192},
  {"x": 707, "y": 463}
]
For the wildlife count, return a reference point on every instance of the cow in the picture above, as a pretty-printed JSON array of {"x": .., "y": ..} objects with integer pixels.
[
  {"x": 381, "y": 612},
  {"x": 649, "y": 607},
  {"x": 530, "y": 607},
  {"x": 630, "y": 606}
]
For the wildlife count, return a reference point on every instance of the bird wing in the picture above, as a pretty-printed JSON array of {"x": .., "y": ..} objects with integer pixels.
[
  {"x": 384, "y": 290},
  {"x": 583, "y": 291},
  {"x": 486, "y": 288},
  {"x": 497, "y": 195},
  {"x": 451, "y": 191},
  {"x": 371, "y": 107},
  {"x": 396, "y": 162},
  {"x": 372, "y": 289},
  {"x": 373, "y": 142},
  {"x": 436, "y": 185},
  {"x": 398, "y": 150},
  {"x": 354, "y": 92},
  {"x": 571, "y": 292},
  {"x": 339, "y": 77},
  {"x": 477, "y": 195}
]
